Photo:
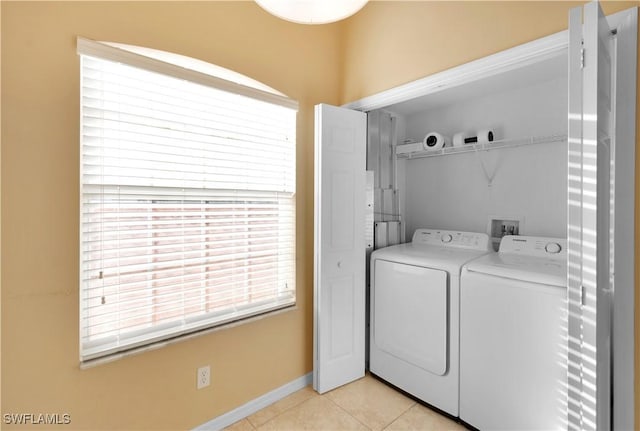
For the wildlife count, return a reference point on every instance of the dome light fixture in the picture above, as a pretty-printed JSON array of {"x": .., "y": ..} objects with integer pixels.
[{"x": 312, "y": 11}]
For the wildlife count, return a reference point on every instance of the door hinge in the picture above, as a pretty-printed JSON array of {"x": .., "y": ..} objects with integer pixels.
[{"x": 581, "y": 58}]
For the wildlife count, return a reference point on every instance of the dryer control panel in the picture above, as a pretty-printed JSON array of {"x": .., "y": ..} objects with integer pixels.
[
  {"x": 450, "y": 238},
  {"x": 555, "y": 248}
]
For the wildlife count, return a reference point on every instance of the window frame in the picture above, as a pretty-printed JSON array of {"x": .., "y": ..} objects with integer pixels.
[{"x": 146, "y": 59}]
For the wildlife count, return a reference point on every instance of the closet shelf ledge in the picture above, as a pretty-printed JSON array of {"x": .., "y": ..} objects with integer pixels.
[{"x": 494, "y": 145}]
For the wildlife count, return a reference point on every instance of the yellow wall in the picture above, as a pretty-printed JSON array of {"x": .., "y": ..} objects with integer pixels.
[
  {"x": 383, "y": 46},
  {"x": 40, "y": 156}
]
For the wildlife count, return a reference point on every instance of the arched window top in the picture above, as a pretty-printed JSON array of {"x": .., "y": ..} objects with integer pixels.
[
  {"x": 184, "y": 67},
  {"x": 196, "y": 65}
]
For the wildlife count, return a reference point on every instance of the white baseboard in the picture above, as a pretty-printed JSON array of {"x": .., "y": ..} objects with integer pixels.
[{"x": 256, "y": 404}]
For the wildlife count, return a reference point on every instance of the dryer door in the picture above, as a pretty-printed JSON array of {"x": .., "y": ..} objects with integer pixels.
[{"x": 410, "y": 314}]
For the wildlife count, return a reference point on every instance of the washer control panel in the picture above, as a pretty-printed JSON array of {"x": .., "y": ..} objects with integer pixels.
[
  {"x": 449, "y": 238},
  {"x": 534, "y": 246}
]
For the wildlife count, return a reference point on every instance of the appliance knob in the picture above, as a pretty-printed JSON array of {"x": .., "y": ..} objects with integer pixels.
[
  {"x": 446, "y": 238},
  {"x": 552, "y": 247}
]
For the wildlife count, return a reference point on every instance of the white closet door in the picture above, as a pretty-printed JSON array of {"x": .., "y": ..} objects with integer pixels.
[
  {"x": 339, "y": 269},
  {"x": 589, "y": 293}
]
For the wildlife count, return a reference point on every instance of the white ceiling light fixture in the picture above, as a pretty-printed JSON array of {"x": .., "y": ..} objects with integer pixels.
[{"x": 312, "y": 11}]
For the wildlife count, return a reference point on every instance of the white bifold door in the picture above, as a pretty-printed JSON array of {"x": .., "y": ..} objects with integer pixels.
[
  {"x": 590, "y": 147},
  {"x": 339, "y": 267}
]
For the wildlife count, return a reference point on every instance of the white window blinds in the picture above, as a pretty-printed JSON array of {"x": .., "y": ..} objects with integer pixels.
[{"x": 187, "y": 202}]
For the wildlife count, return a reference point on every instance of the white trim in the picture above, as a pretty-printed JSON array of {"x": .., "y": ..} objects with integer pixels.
[
  {"x": 617, "y": 19},
  {"x": 514, "y": 58},
  {"x": 623, "y": 342},
  {"x": 108, "y": 52},
  {"x": 256, "y": 404},
  {"x": 503, "y": 61}
]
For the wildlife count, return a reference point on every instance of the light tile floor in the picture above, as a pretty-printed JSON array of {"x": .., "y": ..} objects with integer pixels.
[{"x": 366, "y": 404}]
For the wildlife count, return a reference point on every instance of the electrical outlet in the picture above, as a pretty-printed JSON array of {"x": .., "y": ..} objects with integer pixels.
[{"x": 203, "y": 377}]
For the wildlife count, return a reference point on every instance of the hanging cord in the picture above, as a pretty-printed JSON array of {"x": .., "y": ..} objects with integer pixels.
[{"x": 488, "y": 177}]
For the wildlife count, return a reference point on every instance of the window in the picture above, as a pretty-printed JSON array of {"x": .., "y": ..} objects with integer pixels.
[{"x": 187, "y": 199}]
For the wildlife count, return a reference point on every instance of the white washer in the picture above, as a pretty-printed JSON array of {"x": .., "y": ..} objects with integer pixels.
[
  {"x": 414, "y": 313},
  {"x": 513, "y": 319}
]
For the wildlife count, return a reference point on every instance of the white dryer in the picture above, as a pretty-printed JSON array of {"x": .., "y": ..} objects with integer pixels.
[
  {"x": 513, "y": 320},
  {"x": 414, "y": 313}
]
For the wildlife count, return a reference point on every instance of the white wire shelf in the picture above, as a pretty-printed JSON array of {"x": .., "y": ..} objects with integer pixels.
[{"x": 503, "y": 143}]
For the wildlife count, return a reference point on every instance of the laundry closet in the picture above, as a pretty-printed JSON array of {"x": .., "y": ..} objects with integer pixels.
[
  {"x": 544, "y": 138},
  {"x": 520, "y": 176}
]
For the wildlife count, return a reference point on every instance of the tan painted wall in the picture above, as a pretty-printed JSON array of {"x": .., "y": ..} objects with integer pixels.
[
  {"x": 40, "y": 156},
  {"x": 390, "y": 43}
]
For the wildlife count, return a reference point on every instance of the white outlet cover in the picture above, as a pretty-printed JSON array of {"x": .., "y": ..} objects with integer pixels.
[{"x": 203, "y": 377}]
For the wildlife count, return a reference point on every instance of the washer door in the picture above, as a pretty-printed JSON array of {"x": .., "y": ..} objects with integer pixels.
[{"x": 410, "y": 313}]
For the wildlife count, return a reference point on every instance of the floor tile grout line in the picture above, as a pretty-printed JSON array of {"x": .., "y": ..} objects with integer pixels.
[
  {"x": 400, "y": 415},
  {"x": 249, "y": 420},
  {"x": 347, "y": 412},
  {"x": 282, "y": 412},
  {"x": 411, "y": 405}
]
